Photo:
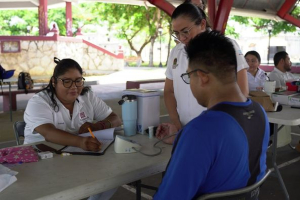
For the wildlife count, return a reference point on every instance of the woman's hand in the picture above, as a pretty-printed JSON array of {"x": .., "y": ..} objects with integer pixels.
[
  {"x": 85, "y": 126},
  {"x": 90, "y": 144},
  {"x": 165, "y": 130}
]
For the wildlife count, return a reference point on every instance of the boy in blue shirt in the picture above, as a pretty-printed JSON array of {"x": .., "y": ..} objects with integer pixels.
[{"x": 224, "y": 148}]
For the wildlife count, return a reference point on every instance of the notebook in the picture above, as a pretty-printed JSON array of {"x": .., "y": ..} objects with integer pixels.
[{"x": 106, "y": 137}]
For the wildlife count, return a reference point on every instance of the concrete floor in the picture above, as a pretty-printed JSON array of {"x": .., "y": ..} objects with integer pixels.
[{"x": 111, "y": 93}]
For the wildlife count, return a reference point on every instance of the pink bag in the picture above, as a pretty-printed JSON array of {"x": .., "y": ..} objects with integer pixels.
[{"x": 24, "y": 154}]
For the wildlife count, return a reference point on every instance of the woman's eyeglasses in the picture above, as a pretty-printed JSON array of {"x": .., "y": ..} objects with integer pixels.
[
  {"x": 184, "y": 33},
  {"x": 67, "y": 83},
  {"x": 186, "y": 76}
]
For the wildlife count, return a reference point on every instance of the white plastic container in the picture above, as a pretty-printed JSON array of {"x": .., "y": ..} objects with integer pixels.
[{"x": 148, "y": 106}]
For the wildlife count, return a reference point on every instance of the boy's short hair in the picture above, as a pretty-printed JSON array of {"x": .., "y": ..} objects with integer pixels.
[{"x": 214, "y": 53}]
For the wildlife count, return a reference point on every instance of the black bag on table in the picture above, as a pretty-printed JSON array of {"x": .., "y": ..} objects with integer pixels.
[{"x": 25, "y": 81}]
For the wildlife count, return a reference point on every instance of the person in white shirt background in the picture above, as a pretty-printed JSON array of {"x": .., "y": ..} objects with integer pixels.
[
  {"x": 187, "y": 22},
  {"x": 256, "y": 76},
  {"x": 281, "y": 72}
]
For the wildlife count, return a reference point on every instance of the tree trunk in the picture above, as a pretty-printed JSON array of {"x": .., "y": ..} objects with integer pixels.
[
  {"x": 139, "y": 60},
  {"x": 151, "y": 52}
]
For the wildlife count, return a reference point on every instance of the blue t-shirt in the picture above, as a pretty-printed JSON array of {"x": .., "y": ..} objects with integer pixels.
[{"x": 214, "y": 152}]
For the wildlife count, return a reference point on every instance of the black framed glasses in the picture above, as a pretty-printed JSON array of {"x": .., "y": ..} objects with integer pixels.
[
  {"x": 186, "y": 76},
  {"x": 184, "y": 33},
  {"x": 67, "y": 83}
]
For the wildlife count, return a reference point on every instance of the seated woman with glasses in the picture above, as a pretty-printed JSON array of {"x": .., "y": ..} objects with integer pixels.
[
  {"x": 256, "y": 76},
  {"x": 66, "y": 108}
]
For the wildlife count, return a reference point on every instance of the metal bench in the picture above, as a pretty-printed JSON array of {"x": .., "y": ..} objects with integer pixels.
[{"x": 14, "y": 92}]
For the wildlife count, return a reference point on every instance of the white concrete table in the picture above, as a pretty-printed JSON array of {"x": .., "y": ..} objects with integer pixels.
[
  {"x": 288, "y": 117},
  {"x": 77, "y": 176}
]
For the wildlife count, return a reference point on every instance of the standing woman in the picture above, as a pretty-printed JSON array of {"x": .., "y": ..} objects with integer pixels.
[
  {"x": 66, "y": 108},
  {"x": 187, "y": 21},
  {"x": 256, "y": 76}
]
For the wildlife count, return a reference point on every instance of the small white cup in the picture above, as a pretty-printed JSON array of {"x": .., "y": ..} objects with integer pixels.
[
  {"x": 269, "y": 87},
  {"x": 151, "y": 131}
]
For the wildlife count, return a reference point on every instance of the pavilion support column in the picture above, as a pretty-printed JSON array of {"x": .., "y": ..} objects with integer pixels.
[
  {"x": 69, "y": 19},
  {"x": 211, "y": 4},
  {"x": 43, "y": 17},
  {"x": 222, "y": 15}
]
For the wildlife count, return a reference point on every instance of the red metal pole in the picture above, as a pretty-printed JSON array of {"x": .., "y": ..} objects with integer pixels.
[
  {"x": 69, "y": 19},
  {"x": 211, "y": 6},
  {"x": 43, "y": 17},
  {"x": 222, "y": 15}
]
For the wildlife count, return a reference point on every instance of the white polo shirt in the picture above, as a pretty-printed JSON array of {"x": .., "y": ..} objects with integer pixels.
[
  {"x": 280, "y": 77},
  {"x": 187, "y": 105},
  {"x": 256, "y": 81},
  {"x": 87, "y": 108}
]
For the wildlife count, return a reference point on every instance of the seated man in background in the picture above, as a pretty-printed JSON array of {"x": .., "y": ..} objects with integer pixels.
[
  {"x": 224, "y": 148},
  {"x": 281, "y": 73}
]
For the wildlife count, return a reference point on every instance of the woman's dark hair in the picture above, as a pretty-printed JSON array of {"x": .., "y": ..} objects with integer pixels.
[
  {"x": 203, "y": 3},
  {"x": 62, "y": 66},
  {"x": 253, "y": 53},
  {"x": 193, "y": 12}
]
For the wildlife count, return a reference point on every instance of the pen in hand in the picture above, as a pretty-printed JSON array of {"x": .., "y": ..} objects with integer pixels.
[
  {"x": 94, "y": 136},
  {"x": 91, "y": 132}
]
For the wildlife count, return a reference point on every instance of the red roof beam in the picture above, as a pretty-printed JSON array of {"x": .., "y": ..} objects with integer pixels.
[
  {"x": 163, "y": 5},
  {"x": 283, "y": 12}
]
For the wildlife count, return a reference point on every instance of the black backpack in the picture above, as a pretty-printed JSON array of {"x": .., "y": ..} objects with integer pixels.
[{"x": 25, "y": 81}]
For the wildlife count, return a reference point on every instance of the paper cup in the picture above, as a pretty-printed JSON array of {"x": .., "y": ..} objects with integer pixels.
[{"x": 269, "y": 87}]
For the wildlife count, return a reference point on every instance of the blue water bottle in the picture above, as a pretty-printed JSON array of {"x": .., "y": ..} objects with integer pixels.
[{"x": 129, "y": 114}]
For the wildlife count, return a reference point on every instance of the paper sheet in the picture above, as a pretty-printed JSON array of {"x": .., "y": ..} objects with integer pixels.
[
  {"x": 106, "y": 137},
  {"x": 7, "y": 177}
]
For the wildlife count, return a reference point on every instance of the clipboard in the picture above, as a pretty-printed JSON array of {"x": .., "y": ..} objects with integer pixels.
[{"x": 106, "y": 137}]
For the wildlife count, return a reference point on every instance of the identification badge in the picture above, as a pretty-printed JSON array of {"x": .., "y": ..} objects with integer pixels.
[
  {"x": 82, "y": 116},
  {"x": 174, "y": 63}
]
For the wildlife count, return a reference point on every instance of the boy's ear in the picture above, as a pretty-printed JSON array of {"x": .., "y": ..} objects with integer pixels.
[{"x": 204, "y": 78}]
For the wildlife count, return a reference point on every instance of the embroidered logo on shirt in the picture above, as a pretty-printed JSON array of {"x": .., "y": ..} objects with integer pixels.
[
  {"x": 249, "y": 114},
  {"x": 82, "y": 115},
  {"x": 174, "y": 63}
]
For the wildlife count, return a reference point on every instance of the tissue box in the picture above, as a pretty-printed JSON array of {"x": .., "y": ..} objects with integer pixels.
[
  {"x": 294, "y": 100},
  {"x": 45, "y": 155},
  {"x": 282, "y": 97},
  {"x": 263, "y": 99}
]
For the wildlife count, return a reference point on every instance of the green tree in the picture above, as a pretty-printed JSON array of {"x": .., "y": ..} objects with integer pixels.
[
  {"x": 16, "y": 22},
  {"x": 262, "y": 24},
  {"x": 81, "y": 16},
  {"x": 138, "y": 25}
]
